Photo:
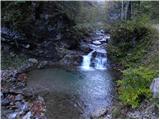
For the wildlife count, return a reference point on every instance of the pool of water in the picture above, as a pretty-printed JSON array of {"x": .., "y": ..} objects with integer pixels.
[{"x": 72, "y": 94}]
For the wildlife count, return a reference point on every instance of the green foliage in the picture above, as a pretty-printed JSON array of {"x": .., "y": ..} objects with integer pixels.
[
  {"x": 130, "y": 41},
  {"x": 15, "y": 13},
  {"x": 134, "y": 86},
  {"x": 148, "y": 8}
]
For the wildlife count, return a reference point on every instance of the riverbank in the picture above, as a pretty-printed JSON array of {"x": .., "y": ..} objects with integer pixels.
[
  {"x": 136, "y": 57},
  {"x": 22, "y": 81}
]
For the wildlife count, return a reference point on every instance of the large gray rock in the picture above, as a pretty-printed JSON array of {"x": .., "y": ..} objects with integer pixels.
[
  {"x": 85, "y": 48},
  {"x": 33, "y": 60},
  {"x": 71, "y": 60},
  {"x": 42, "y": 64},
  {"x": 155, "y": 87}
]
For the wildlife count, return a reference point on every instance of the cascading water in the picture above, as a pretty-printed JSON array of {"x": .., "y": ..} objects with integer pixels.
[
  {"x": 87, "y": 61},
  {"x": 97, "y": 58},
  {"x": 100, "y": 61},
  {"x": 76, "y": 93}
]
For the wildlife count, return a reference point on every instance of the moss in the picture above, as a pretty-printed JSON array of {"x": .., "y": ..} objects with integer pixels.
[{"x": 9, "y": 62}]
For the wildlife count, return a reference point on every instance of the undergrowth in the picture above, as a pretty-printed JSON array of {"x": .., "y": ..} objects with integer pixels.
[{"x": 134, "y": 45}]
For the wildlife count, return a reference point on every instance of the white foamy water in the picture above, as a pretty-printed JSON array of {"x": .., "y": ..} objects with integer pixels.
[
  {"x": 87, "y": 61},
  {"x": 96, "y": 59}
]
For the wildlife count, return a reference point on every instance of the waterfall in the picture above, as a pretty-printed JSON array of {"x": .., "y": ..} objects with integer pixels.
[
  {"x": 87, "y": 61},
  {"x": 97, "y": 58},
  {"x": 91, "y": 62},
  {"x": 100, "y": 61}
]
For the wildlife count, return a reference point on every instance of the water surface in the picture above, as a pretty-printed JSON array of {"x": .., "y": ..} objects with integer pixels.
[{"x": 77, "y": 93}]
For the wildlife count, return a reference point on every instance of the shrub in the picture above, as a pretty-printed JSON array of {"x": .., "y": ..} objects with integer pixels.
[
  {"x": 130, "y": 40},
  {"x": 134, "y": 86}
]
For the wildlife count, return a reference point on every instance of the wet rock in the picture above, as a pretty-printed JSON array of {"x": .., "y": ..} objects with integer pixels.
[
  {"x": 22, "y": 77},
  {"x": 42, "y": 64},
  {"x": 27, "y": 46},
  {"x": 12, "y": 115},
  {"x": 155, "y": 87},
  {"x": 96, "y": 42},
  {"x": 18, "y": 104},
  {"x": 5, "y": 102},
  {"x": 8, "y": 74},
  {"x": 94, "y": 54},
  {"x": 85, "y": 48},
  {"x": 20, "y": 85},
  {"x": 33, "y": 60},
  {"x": 26, "y": 67},
  {"x": 12, "y": 54},
  {"x": 25, "y": 107},
  {"x": 99, "y": 112},
  {"x": 27, "y": 92},
  {"x": 71, "y": 60},
  {"x": 27, "y": 116},
  {"x": 19, "y": 97},
  {"x": 16, "y": 91}
]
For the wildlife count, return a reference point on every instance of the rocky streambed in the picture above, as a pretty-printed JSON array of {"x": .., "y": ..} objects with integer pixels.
[
  {"x": 69, "y": 93},
  {"x": 78, "y": 86}
]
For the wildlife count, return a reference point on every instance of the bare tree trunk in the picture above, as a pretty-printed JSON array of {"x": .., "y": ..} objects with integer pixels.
[
  {"x": 122, "y": 12},
  {"x": 128, "y": 12}
]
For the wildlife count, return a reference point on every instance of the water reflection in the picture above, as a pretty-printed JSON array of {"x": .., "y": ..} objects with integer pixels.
[{"x": 72, "y": 94}]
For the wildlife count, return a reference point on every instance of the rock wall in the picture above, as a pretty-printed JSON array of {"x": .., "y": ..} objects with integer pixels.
[{"x": 38, "y": 29}]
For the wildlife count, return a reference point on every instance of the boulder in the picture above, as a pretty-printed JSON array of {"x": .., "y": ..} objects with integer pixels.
[
  {"x": 33, "y": 60},
  {"x": 19, "y": 97},
  {"x": 42, "y": 64},
  {"x": 96, "y": 42},
  {"x": 22, "y": 77},
  {"x": 71, "y": 60},
  {"x": 155, "y": 87},
  {"x": 85, "y": 48}
]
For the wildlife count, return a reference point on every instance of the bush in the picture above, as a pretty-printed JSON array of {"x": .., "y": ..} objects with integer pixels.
[
  {"x": 130, "y": 41},
  {"x": 134, "y": 86}
]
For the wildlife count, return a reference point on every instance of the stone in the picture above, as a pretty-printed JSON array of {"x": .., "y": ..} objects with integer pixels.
[
  {"x": 5, "y": 102},
  {"x": 18, "y": 105},
  {"x": 33, "y": 60},
  {"x": 96, "y": 42},
  {"x": 22, "y": 77},
  {"x": 12, "y": 115},
  {"x": 99, "y": 112},
  {"x": 85, "y": 48},
  {"x": 27, "y": 46},
  {"x": 38, "y": 107},
  {"x": 155, "y": 87},
  {"x": 19, "y": 97},
  {"x": 27, "y": 92},
  {"x": 12, "y": 54},
  {"x": 27, "y": 116},
  {"x": 42, "y": 64}
]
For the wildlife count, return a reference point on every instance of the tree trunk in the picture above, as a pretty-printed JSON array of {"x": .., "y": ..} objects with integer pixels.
[
  {"x": 122, "y": 12},
  {"x": 129, "y": 10}
]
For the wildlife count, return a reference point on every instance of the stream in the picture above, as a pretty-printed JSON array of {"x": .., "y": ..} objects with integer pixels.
[{"x": 77, "y": 93}]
